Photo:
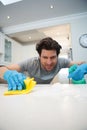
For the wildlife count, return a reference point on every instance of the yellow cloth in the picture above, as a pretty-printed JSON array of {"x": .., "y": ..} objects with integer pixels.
[{"x": 29, "y": 83}]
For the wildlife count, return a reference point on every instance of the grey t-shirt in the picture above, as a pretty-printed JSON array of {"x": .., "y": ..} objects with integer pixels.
[{"x": 33, "y": 68}]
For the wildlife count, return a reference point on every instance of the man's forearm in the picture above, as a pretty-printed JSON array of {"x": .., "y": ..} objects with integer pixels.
[
  {"x": 10, "y": 67},
  {"x": 78, "y": 63},
  {"x": 3, "y": 69}
]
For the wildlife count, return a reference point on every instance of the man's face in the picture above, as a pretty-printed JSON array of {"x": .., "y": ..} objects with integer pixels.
[{"x": 48, "y": 59}]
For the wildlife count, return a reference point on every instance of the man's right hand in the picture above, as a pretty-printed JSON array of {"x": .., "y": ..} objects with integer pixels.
[
  {"x": 78, "y": 72},
  {"x": 15, "y": 80}
]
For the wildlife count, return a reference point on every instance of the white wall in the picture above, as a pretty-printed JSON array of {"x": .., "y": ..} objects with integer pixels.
[
  {"x": 16, "y": 52},
  {"x": 28, "y": 51},
  {"x": 78, "y": 27}
]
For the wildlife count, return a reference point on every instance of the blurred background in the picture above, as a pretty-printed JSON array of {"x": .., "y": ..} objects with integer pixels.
[{"x": 24, "y": 22}]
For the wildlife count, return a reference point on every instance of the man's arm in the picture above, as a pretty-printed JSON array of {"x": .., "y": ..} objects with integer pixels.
[
  {"x": 14, "y": 79},
  {"x": 73, "y": 63},
  {"x": 77, "y": 72},
  {"x": 3, "y": 69}
]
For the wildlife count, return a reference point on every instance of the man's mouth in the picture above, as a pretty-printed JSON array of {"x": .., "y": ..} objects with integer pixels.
[{"x": 49, "y": 67}]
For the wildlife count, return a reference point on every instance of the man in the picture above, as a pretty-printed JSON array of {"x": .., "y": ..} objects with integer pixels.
[{"x": 43, "y": 68}]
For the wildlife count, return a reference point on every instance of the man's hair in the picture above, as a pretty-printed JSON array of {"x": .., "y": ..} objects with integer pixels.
[{"x": 49, "y": 44}]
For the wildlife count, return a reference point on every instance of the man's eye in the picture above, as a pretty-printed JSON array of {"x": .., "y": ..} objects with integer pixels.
[
  {"x": 53, "y": 57},
  {"x": 45, "y": 57}
]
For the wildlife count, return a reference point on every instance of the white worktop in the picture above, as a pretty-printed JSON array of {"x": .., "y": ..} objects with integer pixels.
[{"x": 47, "y": 107}]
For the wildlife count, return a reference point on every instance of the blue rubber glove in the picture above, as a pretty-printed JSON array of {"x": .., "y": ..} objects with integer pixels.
[
  {"x": 79, "y": 72},
  {"x": 73, "y": 68},
  {"x": 14, "y": 79}
]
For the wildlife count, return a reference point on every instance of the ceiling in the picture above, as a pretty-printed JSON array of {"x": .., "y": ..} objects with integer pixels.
[{"x": 31, "y": 20}]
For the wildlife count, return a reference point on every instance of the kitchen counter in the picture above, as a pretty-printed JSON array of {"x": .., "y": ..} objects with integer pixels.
[{"x": 47, "y": 107}]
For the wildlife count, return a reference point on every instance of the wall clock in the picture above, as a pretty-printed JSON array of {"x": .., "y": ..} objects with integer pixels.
[{"x": 83, "y": 40}]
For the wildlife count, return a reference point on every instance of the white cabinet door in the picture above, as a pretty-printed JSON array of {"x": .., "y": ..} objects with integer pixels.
[
  {"x": 7, "y": 50},
  {"x": 1, "y": 44}
]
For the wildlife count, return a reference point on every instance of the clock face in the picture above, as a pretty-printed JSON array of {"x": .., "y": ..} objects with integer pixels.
[{"x": 83, "y": 40}]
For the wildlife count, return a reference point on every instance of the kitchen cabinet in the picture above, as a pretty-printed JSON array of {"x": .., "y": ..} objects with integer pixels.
[
  {"x": 5, "y": 49},
  {"x": 1, "y": 44}
]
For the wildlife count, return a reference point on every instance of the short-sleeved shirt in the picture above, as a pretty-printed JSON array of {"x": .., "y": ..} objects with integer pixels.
[{"x": 34, "y": 70}]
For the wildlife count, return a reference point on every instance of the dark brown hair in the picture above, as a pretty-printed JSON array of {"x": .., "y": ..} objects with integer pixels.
[{"x": 49, "y": 44}]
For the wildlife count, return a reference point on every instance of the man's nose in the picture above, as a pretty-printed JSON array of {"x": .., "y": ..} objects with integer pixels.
[{"x": 49, "y": 61}]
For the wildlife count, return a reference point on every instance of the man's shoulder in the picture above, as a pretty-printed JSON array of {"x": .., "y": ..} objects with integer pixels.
[
  {"x": 33, "y": 61},
  {"x": 30, "y": 61},
  {"x": 63, "y": 62},
  {"x": 61, "y": 59}
]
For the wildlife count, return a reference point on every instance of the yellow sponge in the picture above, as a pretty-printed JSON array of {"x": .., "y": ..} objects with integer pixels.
[{"x": 29, "y": 83}]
